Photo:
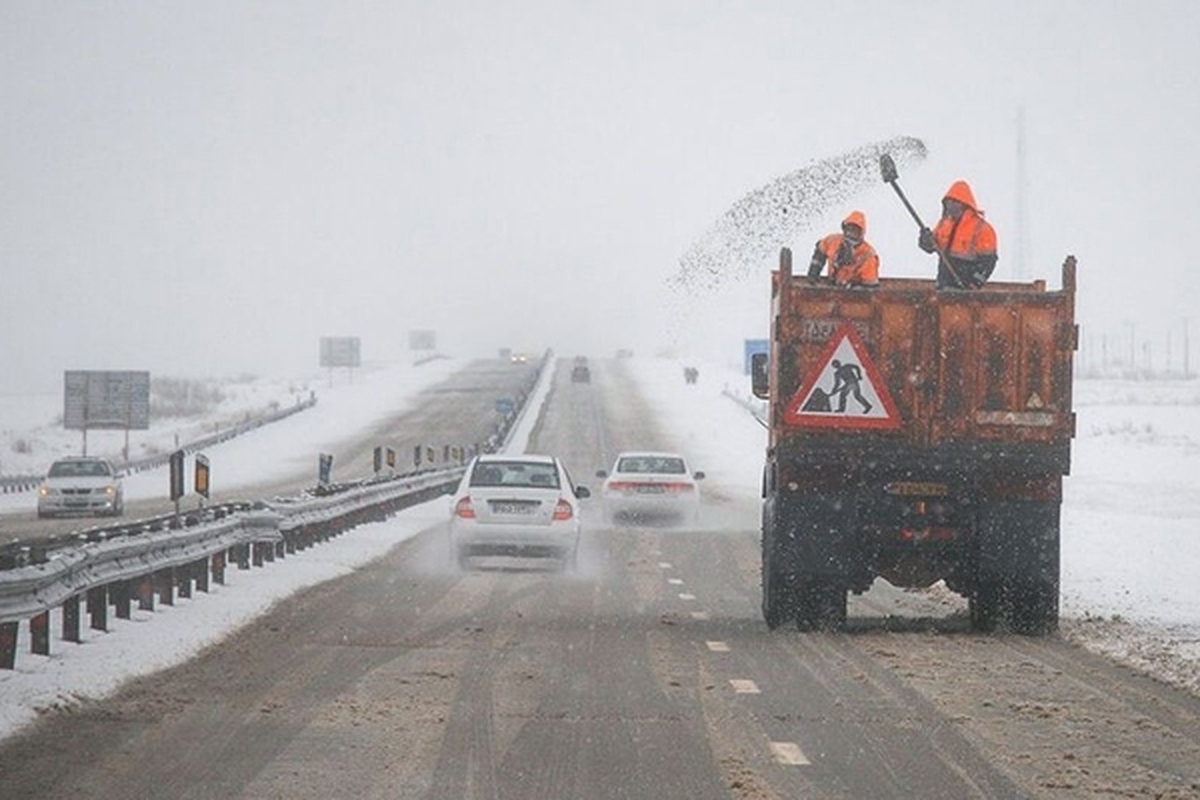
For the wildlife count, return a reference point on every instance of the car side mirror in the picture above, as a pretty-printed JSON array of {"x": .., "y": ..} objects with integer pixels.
[
  {"x": 760, "y": 376},
  {"x": 582, "y": 491},
  {"x": 698, "y": 476}
]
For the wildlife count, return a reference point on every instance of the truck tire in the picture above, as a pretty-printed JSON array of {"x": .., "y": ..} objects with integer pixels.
[
  {"x": 779, "y": 597},
  {"x": 821, "y": 606},
  {"x": 1018, "y": 568},
  {"x": 1033, "y": 610},
  {"x": 984, "y": 606}
]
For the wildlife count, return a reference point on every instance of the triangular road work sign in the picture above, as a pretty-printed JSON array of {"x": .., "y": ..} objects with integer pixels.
[{"x": 844, "y": 389}]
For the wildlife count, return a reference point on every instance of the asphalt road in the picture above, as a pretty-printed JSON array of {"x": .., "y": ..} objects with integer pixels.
[{"x": 646, "y": 674}]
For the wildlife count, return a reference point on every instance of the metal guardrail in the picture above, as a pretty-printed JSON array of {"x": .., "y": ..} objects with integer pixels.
[
  {"x": 110, "y": 567},
  {"x": 756, "y": 408}
]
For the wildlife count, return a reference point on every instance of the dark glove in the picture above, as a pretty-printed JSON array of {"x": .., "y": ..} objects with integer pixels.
[{"x": 925, "y": 241}]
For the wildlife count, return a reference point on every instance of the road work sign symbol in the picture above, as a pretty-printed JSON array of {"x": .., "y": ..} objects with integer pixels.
[{"x": 844, "y": 389}]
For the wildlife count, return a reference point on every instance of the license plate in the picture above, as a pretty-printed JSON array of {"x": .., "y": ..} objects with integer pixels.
[
  {"x": 651, "y": 489},
  {"x": 513, "y": 508},
  {"x": 917, "y": 488}
]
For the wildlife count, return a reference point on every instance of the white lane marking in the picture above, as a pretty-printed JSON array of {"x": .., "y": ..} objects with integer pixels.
[
  {"x": 700, "y": 615},
  {"x": 686, "y": 596},
  {"x": 744, "y": 686},
  {"x": 675, "y": 581},
  {"x": 788, "y": 753},
  {"x": 664, "y": 565},
  {"x": 718, "y": 647}
]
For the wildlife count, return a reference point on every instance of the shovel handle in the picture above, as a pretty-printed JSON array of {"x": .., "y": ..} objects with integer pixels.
[
  {"x": 941, "y": 255},
  {"x": 907, "y": 204}
]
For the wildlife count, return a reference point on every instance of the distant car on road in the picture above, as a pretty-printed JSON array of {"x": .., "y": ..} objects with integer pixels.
[
  {"x": 524, "y": 506},
  {"x": 81, "y": 485},
  {"x": 580, "y": 373},
  {"x": 649, "y": 485}
]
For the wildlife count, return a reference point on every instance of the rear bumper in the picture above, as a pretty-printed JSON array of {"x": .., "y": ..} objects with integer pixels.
[
  {"x": 514, "y": 540},
  {"x": 649, "y": 505}
]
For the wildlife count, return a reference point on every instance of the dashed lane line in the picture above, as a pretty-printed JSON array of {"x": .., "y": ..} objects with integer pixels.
[
  {"x": 718, "y": 647},
  {"x": 744, "y": 686},
  {"x": 789, "y": 753}
]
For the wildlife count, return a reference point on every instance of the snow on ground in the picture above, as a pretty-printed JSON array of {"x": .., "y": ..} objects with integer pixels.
[{"x": 1131, "y": 522}]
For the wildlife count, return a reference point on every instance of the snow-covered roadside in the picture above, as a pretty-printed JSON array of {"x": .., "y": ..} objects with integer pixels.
[
  {"x": 345, "y": 404},
  {"x": 1131, "y": 508},
  {"x": 170, "y": 635}
]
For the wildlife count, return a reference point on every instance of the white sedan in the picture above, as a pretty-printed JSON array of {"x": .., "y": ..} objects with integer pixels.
[
  {"x": 81, "y": 485},
  {"x": 523, "y": 506},
  {"x": 649, "y": 485}
]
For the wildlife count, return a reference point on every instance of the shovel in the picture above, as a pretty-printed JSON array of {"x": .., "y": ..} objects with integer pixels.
[{"x": 888, "y": 167}]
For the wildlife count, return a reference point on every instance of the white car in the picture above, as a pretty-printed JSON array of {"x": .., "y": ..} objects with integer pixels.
[
  {"x": 81, "y": 485},
  {"x": 524, "y": 506},
  {"x": 651, "y": 485}
]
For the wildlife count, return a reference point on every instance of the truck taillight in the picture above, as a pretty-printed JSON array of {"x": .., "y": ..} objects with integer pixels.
[
  {"x": 464, "y": 509},
  {"x": 679, "y": 487},
  {"x": 563, "y": 510}
]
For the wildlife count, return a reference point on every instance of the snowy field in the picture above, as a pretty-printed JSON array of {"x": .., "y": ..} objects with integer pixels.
[{"x": 1131, "y": 516}]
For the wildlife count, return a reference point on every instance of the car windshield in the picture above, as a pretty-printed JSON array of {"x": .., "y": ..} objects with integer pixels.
[
  {"x": 541, "y": 475},
  {"x": 75, "y": 469},
  {"x": 665, "y": 465}
]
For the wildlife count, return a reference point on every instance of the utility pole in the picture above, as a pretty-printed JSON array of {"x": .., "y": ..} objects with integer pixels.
[
  {"x": 1020, "y": 263},
  {"x": 1186, "y": 374}
]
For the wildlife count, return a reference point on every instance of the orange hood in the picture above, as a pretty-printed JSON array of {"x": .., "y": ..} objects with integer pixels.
[
  {"x": 857, "y": 218},
  {"x": 960, "y": 191}
]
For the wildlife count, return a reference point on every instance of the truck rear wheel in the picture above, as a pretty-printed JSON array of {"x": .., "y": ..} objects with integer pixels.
[
  {"x": 821, "y": 606},
  {"x": 779, "y": 598},
  {"x": 1034, "y": 608},
  {"x": 984, "y": 606}
]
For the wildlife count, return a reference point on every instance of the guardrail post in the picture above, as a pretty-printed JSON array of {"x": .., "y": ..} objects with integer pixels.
[
  {"x": 70, "y": 619},
  {"x": 39, "y": 633},
  {"x": 218, "y": 568},
  {"x": 243, "y": 556},
  {"x": 120, "y": 596},
  {"x": 145, "y": 592},
  {"x": 183, "y": 580},
  {"x": 165, "y": 578},
  {"x": 97, "y": 606},
  {"x": 8, "y": 644},
  {"x": 201, "y": 570},
  {"x": 289, "y": 542}
]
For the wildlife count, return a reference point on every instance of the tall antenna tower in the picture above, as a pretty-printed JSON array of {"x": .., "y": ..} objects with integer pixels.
[{"x": 1021, "y": 261}]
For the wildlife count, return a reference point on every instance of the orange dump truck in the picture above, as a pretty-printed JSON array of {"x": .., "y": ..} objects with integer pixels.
[{"x": 916, "y": 435}]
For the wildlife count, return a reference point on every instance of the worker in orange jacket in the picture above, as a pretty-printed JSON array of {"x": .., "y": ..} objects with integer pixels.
[
  {"x": 963, "y": 238},
  {"x": 852, "y": 262}
]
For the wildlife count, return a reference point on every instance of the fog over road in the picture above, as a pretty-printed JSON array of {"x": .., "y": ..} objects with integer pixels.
[{"x": 648, "y": 673}]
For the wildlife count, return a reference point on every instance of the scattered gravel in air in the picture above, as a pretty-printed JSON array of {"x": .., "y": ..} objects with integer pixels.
[{"x": 751, "y": 232}]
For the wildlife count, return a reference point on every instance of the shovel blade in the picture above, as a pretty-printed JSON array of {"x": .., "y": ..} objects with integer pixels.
[{"x": 888, "y": 168}]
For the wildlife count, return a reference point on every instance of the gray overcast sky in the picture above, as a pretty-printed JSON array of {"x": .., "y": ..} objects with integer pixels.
[{"x": 209, "y": 187}]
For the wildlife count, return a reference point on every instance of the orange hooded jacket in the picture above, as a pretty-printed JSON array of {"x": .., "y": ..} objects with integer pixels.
[
  {"x": 858, "y": 264},
  {"x": 969, "y": 241}
]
